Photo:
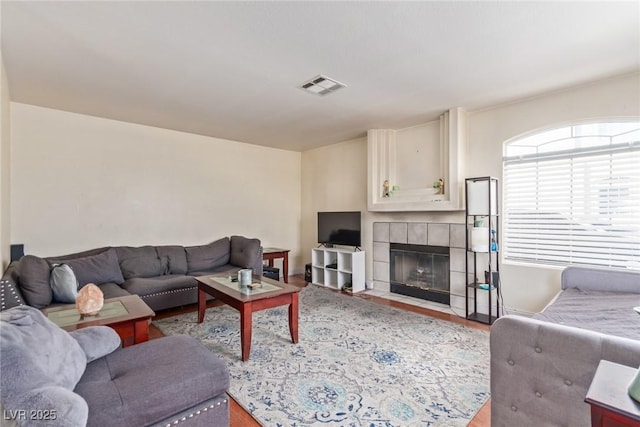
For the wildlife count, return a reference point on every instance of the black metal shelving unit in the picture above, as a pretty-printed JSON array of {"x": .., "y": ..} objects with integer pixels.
[{"x": 482, "y": 255}]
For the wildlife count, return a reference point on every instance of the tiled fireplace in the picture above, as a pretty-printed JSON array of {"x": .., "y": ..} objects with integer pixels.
[
  {"x": 420, "y": 271},
  {"x": 423, "y": 260}
]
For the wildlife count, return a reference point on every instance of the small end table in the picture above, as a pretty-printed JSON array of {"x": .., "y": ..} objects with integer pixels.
[
  {"x": 611, "y": 405},
  {"x": 129, "y": 316},
  {"x": 269, "y": 254}
]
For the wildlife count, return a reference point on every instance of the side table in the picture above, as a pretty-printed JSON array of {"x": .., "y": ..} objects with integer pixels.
[
  {"x": 611, "y": 405},
  {"x": 269, "y": 254},
  {"x": 129, "y": 316}
]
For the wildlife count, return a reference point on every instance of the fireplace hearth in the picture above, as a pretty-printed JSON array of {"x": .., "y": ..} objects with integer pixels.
[{"x": 420, "y": 271}]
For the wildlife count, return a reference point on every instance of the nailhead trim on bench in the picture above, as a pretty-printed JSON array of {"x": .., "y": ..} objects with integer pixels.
[{"x": 205, "y": 409}]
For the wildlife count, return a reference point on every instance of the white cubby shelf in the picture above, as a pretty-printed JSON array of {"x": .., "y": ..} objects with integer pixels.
[{"x": 336, "y": 267}]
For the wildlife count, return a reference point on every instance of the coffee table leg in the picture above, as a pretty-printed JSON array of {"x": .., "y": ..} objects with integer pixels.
[
  {"x": 293, "y": 317},
  {"x": 202, "y": 305},
  {"x": 285, "y": 267},
  {"x": 245, "y": 330}
]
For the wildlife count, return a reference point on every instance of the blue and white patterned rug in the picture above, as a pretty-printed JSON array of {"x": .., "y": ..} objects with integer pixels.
[{"x": 358, "y": 363}]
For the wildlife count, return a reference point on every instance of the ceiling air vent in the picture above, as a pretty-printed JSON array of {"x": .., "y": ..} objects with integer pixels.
[{"x": 322, "y": 85}]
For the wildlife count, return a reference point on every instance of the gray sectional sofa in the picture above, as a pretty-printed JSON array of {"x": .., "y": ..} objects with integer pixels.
[
  {"x": 163, "y": 276},
  {"x": 541, "y": 367}
]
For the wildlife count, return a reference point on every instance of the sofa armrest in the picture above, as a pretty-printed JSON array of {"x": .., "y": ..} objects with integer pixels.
[
  {"x": 246, "y": 253},
  {"x": 541, "y": 371},
  {"x": 10, "y": 295},
  {"x": 601, "y": 279},
  {"x": 97, "y": 341}
]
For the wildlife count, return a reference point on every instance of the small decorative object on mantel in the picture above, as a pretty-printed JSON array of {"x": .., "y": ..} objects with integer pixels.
[
  {"x": 439, "y": 185},
  {"x": 90, "y": 300},
  {"x": 385, "y": 188}
]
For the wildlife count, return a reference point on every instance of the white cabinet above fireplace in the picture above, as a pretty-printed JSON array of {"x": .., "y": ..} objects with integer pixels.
[{"x": 412, "y": 159}]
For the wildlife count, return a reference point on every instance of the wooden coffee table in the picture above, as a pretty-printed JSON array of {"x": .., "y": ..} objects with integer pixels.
[
  {"x": 129, "y": 316},
  {"x": 246, "y": 301}
]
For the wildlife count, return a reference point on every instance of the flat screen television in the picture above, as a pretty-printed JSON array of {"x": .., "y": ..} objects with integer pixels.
[{"x": 339, "y": 228}]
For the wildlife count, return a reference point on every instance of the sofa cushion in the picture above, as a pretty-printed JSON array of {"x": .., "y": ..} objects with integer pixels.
[
  {"x": 606, "y": 312},
  {"x": 151, "y": 285},
  {"x": 98, "y": 269},
  {"x": 175, "y": 257},
  {"x": 111, "y": 290},
  {"x": 223, "y": 270},
  {"x": 34, "y": 281},
  {"x": 36, "y": 353},
  {"x": 139, "y": 262},
  {"x": 64, "y": 284},
  {"x": 113, "y": 385},
  {"x": 208, "y": 256},
  {"x": 244, "y": 252}
]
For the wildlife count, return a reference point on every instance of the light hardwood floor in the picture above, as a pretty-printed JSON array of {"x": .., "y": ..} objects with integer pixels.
[{"x": 241, "y": 418}]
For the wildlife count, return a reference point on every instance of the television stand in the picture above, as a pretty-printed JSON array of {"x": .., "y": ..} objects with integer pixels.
[{"x": 334, "y": 268}]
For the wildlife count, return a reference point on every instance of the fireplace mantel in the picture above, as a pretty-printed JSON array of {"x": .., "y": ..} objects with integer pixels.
[{"x": 386, "y": 159}]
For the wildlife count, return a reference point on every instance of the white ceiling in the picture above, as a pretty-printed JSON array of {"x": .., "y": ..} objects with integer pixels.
[{"x": 231, "y": 69}]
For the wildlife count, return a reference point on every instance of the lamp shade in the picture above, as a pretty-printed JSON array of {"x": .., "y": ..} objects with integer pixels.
[{"x": 482, "y": 196}]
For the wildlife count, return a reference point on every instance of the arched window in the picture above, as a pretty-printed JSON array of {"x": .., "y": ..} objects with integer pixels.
[{"x": 572, "y": 196}]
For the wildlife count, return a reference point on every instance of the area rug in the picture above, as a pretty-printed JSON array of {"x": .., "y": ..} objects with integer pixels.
[{"x": 357, "y": 363}]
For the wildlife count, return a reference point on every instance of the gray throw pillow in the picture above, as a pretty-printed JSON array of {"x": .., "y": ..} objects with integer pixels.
[
  {"x": 215, "y": 254},
  {"x": 175, "y": 258},
  {"x": 34, "y": 281},
  {"x": 244, "y": 252},
  {"x": 140, "y": 262},
  {"x": 36, "y": 352},
  {"x": 98, "y": 269},
  {"x": 64, "y": 283},
  {"x": 41, "y": 364}
]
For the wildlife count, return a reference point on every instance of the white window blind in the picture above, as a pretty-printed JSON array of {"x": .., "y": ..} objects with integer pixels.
[{"x": 572, "y": 196}]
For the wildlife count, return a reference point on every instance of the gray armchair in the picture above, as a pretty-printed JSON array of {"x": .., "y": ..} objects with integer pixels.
[{"x": 54, "y": 378}]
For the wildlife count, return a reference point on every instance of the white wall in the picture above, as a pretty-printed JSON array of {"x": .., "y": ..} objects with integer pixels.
[
  {"x": 80, "y": 182},
  {"x": 525, "y": 288},
  {"x": 5, "y": 169},
  {"x": 334, "y": 178}
]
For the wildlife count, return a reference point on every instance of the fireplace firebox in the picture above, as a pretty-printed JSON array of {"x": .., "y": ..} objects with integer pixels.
[{"x": 420, "y": 271}]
